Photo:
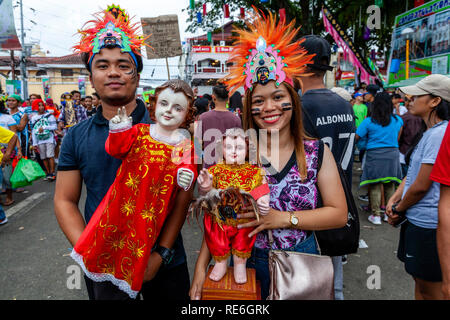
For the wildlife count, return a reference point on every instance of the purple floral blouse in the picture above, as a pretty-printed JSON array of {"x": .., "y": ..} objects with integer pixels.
[{"x": 289, "y": 193}]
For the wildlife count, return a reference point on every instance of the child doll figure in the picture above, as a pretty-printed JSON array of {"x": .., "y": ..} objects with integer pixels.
[
  {"x": 156, "y": 164},
  {"x": 221, "y": 233}
]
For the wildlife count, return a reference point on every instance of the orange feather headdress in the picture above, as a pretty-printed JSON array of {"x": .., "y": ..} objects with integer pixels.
[
  {"x": 110, "y": 28},
  {"x": 266, "y": 52}
]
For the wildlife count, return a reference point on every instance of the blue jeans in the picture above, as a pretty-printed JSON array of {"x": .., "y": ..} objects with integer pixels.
[
  {"x": 2, "y": 212},
  {"x": 260, "y": 261}
]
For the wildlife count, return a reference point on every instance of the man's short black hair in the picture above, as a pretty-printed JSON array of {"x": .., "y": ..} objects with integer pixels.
[
  {"x": 88, "y": 97},
  {"x": 221, "y": 92},
  {"x": 396, "y": 96},
  {"x": 75, "y": 91},
  {"x": 96, "y": 94},
  {"x": 85, "y": 58}
]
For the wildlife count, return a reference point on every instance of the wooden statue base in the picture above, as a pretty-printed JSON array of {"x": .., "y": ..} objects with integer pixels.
[{"x": 228, "y": 289}]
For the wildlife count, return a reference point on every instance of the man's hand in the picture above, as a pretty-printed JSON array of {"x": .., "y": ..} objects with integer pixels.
[{"x": 154, "y": 263}]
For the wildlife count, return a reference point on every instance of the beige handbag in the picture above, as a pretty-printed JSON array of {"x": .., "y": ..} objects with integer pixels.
[{"x": 299, "y": 276}]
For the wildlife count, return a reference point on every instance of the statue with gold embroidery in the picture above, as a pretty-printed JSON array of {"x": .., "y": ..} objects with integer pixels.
[
  {"x": 157, "y": 167},
  {"x": 226, "y": 189}
]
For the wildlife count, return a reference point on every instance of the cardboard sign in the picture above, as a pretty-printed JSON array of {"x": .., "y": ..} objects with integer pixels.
[{"x": 164, "y": 36}]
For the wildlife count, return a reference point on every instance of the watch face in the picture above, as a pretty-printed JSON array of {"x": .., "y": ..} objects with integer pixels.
[{"x": 294, "y": 220}]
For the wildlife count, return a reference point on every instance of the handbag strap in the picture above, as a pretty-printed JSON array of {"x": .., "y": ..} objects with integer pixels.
[{"x": 270, "y": 234}]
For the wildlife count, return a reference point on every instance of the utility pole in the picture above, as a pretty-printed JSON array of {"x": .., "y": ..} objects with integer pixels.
[{"x": 23, "y": 62}]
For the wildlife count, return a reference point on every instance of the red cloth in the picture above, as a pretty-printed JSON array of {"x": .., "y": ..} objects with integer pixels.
[
  {"x": 117, "y": 242},
  {"x": 35, "y": 105},
  {"x": 441, "y": 168},
  {"x": 223, "y": 237}
]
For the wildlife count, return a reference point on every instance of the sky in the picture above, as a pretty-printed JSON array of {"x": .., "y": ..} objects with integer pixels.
[{"x": 54, "y": 24}]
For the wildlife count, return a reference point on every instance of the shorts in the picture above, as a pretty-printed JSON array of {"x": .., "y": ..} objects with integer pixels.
[
  {"x": 417, "y": 249},
  {"x": 46, "y": 150}
]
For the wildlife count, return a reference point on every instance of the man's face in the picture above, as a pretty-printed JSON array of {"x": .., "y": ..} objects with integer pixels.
[
  {"x": 368, "y": 97},
  {"x": 114, "y": 76},
  {"x": 76, "y": 97},
  {"x": 95, "y": 101},
  {"x": 32, "y": 98},
  {"x": 88, "y": 103}
]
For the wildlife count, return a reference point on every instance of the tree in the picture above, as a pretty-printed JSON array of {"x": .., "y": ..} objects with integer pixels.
[{"x": 350, "y": 14}]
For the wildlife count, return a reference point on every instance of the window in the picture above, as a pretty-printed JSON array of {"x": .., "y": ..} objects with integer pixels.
[
  {"x": 66, "y": 72},
  {"x": 41, "y": 73}
]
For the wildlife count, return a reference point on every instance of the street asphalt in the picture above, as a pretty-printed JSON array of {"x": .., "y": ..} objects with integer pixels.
[{"x": 36, "y": 265}]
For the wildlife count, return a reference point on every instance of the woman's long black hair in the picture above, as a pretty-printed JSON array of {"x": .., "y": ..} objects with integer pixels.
[{"x": 382, "y": 109}]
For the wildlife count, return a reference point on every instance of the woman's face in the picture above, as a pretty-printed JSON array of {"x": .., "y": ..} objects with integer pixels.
[
  {"x": 267, "y": 105},
  {"x": 12, "y": 103},
  {"x": 422, "y": 105},
  {"x": 171, "y": 109}
]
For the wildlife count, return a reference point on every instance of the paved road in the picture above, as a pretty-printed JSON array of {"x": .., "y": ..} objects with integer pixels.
[{"x": 36, "y": 264}]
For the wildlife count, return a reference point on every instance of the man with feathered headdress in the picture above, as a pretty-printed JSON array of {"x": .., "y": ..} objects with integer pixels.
[{"x": 110, "y": 49}]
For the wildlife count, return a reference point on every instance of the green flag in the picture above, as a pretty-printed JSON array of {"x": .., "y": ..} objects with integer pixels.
[{"x": 192, "y": 4}]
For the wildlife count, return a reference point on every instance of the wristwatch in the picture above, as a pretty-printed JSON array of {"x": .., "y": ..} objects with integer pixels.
[
  {"x": 293, "y": 219},
  {"x": 165, "y": 253}
]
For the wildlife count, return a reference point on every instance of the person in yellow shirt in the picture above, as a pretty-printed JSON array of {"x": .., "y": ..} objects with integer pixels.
[{"x": 10, "y": 138}]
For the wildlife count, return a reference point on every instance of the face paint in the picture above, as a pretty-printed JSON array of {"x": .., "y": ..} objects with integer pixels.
[
  {"x": 286, "y": 106},
  {"x": 171, "y": 109},
  {"x": 256, "y": 111}
]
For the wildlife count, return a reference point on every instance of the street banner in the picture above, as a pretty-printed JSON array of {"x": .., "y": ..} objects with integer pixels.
[
  {"x": 82, "y": 85},
  {"x": 429, "y": 43},
  {"x": 8, "y": 36},
  {"x": 13, "y": 87},
  {"x": 46, "y": 87},
  {"x": 351, "y": 54},
  {"x": 164, "y": 37}
]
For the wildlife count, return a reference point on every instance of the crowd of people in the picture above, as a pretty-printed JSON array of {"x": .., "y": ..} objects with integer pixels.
[
  {"x": 129, "y": 243},
  {"x": 40, "y": 127}
]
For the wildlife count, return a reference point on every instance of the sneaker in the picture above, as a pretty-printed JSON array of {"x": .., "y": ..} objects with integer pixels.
[
  {"x": 46, "y": 177},
  {"x": 363, "y": 197},
  {"x": 344, "y": 259},
  {"x": 386, "y": 218},
  {"x": 374, "y": 219},
  {"x": 383, "y": 208},
  {"x": 52, "y": 178},
  {"x": 4, "y": 221}
]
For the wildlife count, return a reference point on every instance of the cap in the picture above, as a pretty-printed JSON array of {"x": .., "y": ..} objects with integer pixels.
[
  {"x": 321, "y": 48},
  {"x": 17, "y": 97},
  {"x": 372, "y": 89},
  {"x": 435, "y": 84},
  {"x": 344, "y": 94}
]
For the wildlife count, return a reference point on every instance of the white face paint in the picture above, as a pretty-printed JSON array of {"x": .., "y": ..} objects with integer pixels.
[
  {"x": 171, "y": 109},
  {"x": 235, "y": 150}
]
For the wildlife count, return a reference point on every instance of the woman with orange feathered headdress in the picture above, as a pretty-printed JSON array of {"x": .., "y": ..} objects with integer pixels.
[{"x": 299, "y": 170}]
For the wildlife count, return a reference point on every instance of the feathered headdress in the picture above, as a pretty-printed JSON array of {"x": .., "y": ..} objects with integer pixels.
[
  {"x": 110, "y": 28},
  {"x": 266, "y": 52}
]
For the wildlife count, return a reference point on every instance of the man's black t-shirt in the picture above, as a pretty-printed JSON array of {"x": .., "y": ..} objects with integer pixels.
[{"x": 329, "y": 117}]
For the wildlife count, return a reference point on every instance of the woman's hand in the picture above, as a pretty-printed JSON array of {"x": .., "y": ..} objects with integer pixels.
[
  {"x": 273, "y": 220},
  {"x": 197, "y": 284}
]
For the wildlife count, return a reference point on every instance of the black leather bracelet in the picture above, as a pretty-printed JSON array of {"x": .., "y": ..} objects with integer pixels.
[{"x": 165, "y": 253}]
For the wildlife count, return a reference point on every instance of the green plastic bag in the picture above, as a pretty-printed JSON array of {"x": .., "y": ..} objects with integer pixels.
[
  {"x": 32, "y": 170},
  {"x": 18, "y": 179}
]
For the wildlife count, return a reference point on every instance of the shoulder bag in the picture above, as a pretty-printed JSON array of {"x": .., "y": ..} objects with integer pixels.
[{"x": 299, "y": 276}]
